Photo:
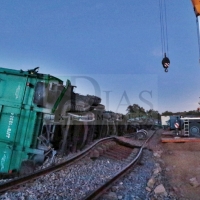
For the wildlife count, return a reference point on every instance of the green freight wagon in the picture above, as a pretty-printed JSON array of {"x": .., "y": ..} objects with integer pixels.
[{"x": 27, "y": 98}]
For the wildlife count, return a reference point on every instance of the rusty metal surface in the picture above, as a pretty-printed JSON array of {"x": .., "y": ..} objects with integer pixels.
[{"x": 178, "y": 139}]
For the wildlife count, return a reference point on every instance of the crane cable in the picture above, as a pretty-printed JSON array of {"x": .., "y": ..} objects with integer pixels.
[
  {"x": 163, "y": 25},
  {"x": 198, "y": 33},
  {"x": 164, "y": 35}
]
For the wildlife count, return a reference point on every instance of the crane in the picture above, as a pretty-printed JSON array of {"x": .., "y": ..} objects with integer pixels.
[
  {"x": 196, "y": 6},
  {"x": 163, "y": 22},
  {"x": 164, "y": 35}
]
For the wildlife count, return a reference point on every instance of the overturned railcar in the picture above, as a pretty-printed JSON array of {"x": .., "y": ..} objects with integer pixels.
[{"x": 33, "y": 115}]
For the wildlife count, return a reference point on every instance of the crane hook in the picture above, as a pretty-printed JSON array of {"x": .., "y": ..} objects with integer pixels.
[{"x": 165, "y": 62}]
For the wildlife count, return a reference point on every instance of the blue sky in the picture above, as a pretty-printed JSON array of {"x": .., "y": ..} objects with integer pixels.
[{"x": 116, "y": 43}]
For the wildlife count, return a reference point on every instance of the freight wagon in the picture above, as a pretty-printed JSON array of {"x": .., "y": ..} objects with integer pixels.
[
  {"x": 41, "y": 116},
  {"x": 36, "y": 115}
]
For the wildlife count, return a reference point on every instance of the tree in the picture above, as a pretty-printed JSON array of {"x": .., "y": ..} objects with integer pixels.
[
  {"x": 135, "y": 111},
  {"x": 153, "y": 114},
  {"x": 166, "y": 113}
]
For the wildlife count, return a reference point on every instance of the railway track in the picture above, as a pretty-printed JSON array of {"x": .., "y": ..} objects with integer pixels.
[
  {"x": 21, "y": 180},
  {"x": 101, "y": 190},
  {"x": 104, "y": 151}
]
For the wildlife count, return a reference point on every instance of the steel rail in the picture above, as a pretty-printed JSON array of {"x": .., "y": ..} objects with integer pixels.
[
  {"x": 99, "y": 191},
  {"x": 21, "y": 180}
]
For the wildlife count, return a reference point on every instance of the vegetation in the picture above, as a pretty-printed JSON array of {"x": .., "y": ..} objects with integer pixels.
[
  {"x": 184, "y": 113},
  {"x": 135, "y": 111}
]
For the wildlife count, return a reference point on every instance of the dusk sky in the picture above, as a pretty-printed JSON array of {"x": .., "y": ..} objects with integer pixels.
[{"x": 109, "y": 48}]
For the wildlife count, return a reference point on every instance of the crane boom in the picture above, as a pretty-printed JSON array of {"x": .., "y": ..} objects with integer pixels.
[{"x": 196, "y": 5}]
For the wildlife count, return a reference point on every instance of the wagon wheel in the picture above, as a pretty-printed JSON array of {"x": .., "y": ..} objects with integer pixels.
[{"x": 141, "y": 135}]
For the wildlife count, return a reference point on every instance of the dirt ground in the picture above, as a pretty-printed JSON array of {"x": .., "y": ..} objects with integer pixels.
[{"x": 180, "y": 165}]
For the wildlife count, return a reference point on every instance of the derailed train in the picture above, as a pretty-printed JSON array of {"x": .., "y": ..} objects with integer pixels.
[{"x": 39, "y": 115}]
